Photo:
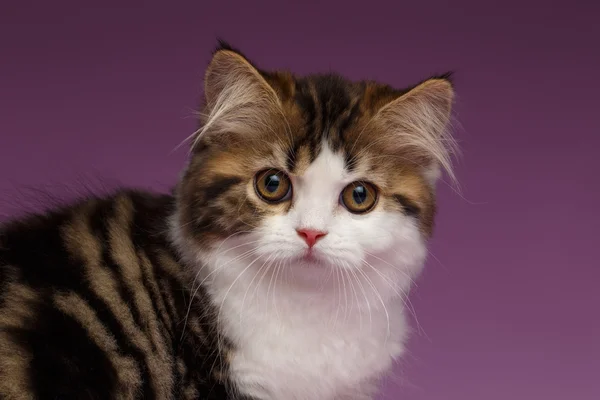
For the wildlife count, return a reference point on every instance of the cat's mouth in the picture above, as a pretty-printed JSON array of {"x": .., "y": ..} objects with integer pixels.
[{"x": 311, "y": 258}]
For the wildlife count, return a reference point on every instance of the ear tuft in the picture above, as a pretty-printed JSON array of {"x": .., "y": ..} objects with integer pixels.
[
  {"x": 238, "y": 98},
  {"x": 417, "y": 123},
  {"x": 223, "y": 45},
  {"x": 446, "y": 76}
]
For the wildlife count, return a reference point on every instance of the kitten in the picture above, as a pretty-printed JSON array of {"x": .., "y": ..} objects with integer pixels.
[{"x": 278, "y": 269}]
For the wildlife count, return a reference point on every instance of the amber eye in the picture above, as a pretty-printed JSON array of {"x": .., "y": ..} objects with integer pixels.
[
  {"x": 359, "y": 197},
  {"x": 273, "y": 186}
]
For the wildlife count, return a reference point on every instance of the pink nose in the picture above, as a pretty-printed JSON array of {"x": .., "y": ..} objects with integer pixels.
[{"x": 310, "y": 236}]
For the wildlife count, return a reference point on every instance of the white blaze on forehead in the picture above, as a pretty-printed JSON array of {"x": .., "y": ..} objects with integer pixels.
[{"x": 317, "y": 191}]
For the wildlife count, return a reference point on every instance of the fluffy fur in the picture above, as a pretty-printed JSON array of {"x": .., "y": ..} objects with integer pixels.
[
  {"x": 329, "y": 328},
  {"x": 268, "y": 319}
]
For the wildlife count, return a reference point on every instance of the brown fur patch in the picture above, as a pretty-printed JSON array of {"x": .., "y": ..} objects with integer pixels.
[{"x": 18, "y": 311}]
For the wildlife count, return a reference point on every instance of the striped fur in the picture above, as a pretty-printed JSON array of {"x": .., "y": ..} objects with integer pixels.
[
  {"x": 99, "y": 299},
  {"x": 92, "y": 302}
]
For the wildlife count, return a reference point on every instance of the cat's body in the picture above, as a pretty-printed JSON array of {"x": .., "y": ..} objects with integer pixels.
[
  {"x": 92, "y": 300},
  {"x": 278, "y": 270}
]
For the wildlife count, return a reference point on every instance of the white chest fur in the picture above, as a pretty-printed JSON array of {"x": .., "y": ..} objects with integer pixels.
[{"x": 317, "y": 346}]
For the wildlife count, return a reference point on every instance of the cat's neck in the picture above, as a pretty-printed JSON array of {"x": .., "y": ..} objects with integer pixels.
[{"x": 335, "y": 336}]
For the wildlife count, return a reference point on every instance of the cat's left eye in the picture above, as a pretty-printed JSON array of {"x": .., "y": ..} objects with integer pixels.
[{"x": 359, "y": 197}]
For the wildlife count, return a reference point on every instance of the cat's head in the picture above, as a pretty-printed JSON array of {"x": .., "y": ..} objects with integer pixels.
[{"x": 313, "y": 173}]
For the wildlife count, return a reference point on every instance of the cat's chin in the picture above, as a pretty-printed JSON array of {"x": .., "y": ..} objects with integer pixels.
[
  {"x": 312, "y": 259},
  {"x": 309, "y": 259},
  {"x": 312, "y": 271}
]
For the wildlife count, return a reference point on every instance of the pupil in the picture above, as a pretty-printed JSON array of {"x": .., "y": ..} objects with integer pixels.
[
  {"x": 359, "y": 194},
  {"x": 272, "y": 183}
]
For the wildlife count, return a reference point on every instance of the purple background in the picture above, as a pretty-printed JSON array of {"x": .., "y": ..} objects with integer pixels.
[{"x": 510, "y": 303}]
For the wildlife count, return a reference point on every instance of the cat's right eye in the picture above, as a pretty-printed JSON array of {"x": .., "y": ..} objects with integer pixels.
[{"x": 273, "y": 186}]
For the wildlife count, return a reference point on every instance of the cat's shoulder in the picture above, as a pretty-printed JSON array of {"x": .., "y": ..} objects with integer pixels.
[{"x": 145, "y": 210}]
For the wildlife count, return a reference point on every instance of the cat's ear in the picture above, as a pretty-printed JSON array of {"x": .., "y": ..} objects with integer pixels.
[
  {"x": 417, "y": 125},
  {"x": 238, "y": 98}
]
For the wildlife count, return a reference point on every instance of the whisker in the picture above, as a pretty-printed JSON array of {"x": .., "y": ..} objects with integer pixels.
[
  {"x": 271, "y": 282},
  {"x": 250, "y": 285},
  {"x": 346, "y": 311},
  {"x": 362, "y": 288},
  {"x": 194, "y": 292},
  {"x": 232, "y": 285},
  {"x": 393, "y": 266},
  {"x": 355, "y": 297},
  {"x": 376, "y": 292},
  {"x": 402, "y": 296},
  {"x": 262, "y": 277},
  {"x": 336, "y": 289}
]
